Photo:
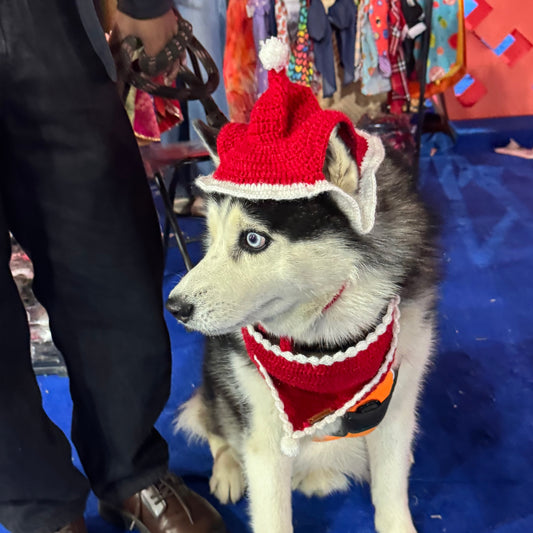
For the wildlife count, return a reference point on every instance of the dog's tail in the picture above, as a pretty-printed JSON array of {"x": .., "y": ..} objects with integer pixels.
[{"x": 190, "y": 419}]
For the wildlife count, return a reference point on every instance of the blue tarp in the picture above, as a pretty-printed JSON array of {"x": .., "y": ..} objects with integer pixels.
[{"x": 474, "y": 455}]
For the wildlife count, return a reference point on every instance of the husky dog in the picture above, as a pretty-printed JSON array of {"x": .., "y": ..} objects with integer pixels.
[
  {"x": 281, "y": 264},
  {"x": 317, "y": 293}
]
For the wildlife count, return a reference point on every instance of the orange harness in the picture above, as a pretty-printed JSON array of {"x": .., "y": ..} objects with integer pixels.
[{"x": 364, "y": 416}]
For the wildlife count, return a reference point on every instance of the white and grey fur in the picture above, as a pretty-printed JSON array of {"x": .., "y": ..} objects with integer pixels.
[{"x": 312, "y": 252}]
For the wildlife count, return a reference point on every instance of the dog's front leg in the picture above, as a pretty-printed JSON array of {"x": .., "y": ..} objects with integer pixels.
[
  {"x": 389, "y": 450},
  {"x": 269, "y": 474},
  {"x": 390, "y": 444}
]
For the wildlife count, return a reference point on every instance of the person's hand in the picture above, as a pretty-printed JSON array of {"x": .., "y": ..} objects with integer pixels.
[{"x": 154, "y": 33}]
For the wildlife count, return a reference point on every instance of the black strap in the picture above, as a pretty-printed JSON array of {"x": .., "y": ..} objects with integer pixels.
[
  {"x": 137, "y": 72},
  {"x": 175, "y": 48}
]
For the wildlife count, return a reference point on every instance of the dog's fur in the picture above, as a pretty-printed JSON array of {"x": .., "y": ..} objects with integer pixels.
[{"x": 312, "y": 252}]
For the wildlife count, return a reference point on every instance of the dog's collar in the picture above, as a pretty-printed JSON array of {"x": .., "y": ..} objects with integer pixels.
[{"x": 312, "y": 392}]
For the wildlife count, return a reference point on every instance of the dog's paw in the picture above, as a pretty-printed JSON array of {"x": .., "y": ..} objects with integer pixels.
[
  {"x": 227, "y": 480},
  {"x": 391, "y": 523},
  {"x": 321, "y": 483}
]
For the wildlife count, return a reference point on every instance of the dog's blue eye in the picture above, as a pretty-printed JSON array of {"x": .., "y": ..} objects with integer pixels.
[{"x": 255, "y": 240}]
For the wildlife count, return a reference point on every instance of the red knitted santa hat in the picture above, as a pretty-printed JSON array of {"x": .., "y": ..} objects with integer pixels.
[{"x": 280, "y": 154}]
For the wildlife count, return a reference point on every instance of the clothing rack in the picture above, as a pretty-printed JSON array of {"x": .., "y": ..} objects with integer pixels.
[
  {"x": 428, "y": 5},
  {"x": 409, "y": 129}
]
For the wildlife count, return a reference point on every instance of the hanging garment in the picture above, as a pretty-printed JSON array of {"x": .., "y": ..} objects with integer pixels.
[
  {"x": 321, "y": 34},
  {"x": 446, "y": 57},
  {"x": 442, "y": 45},
  {"x": 240, "y": 60},
  {"x": 414, "y": 18},
  {"x": 358, "y": 54},
  {"x": 414, "y": 27},
  {"x": 260, "y": 10},
  {"x": 272, "y": 28},
  {"x": 373, "y": 80},
  {"x": 399, "y": 95},
  {"x": 282, "y": 19},
  {"x": 301, "y": 65},
  {"x": 343, "y": 15},
  {"x": 378, "y": 14}
]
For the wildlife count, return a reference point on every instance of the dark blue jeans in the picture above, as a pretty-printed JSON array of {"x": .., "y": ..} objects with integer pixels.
[{"x": 74, "y": 194}]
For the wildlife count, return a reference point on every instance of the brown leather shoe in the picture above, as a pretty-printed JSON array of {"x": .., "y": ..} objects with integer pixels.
[
  {"x": 167, "y": 506},
  {"x": 78, "y": 526}
]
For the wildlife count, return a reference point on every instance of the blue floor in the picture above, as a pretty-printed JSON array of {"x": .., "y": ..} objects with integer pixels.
[{"x": 474, "y": 456}]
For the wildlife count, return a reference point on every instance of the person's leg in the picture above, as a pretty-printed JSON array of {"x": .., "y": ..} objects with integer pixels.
[
  {"x": 78, "y": 201},
  {"x": 40, "y": 490}
]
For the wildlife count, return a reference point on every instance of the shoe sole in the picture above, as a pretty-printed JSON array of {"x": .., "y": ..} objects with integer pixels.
[{"x": 120, "y": 518}]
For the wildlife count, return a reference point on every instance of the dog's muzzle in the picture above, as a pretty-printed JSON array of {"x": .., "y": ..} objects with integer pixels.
[{"x": 180, "y": 308}]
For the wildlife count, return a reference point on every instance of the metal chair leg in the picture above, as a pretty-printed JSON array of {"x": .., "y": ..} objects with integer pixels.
[
  {"x": 171, "y": 195},
  {"x": 171, "y": 219},
  {"x": 428, "y": 11}
]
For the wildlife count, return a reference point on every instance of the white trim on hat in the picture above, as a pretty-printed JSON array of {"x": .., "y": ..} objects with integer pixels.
[
  {"x": 360, "y": 209},
  {"x": 367, "y": 190}
]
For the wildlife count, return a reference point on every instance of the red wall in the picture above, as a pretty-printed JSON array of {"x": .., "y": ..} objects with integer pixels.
[{"x": 503, "y": 85}]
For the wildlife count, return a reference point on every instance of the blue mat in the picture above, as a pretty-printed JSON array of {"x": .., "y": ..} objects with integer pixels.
[{"x": 474, "y": 456}]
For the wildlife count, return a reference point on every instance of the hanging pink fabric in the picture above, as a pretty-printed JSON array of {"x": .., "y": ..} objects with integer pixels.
[{"x": 151, "y": 116}]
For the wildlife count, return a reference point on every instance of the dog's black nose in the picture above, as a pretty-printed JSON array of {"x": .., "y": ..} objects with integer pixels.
[{"x": 180, "y": 308}]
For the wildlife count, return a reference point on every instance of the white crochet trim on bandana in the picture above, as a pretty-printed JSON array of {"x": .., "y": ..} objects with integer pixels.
[
  {"x": 289, "y": 443},
  {"x": 360, "y": 210},
  {"x": 338, "y": 357}
]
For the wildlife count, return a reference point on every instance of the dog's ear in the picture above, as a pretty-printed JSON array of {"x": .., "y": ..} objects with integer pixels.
[
  {"x": 340, "y": 167},
  {"x": 355, "y": 187},
  {"x": 208, "y": 135}
]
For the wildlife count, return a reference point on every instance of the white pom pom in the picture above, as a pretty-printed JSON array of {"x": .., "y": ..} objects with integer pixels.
[
  {"x": 289, "y": 446},
  {"x": 274, "y": 54}
]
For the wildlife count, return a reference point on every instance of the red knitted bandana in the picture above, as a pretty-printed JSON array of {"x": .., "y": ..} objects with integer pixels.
[
  {"x": 305, "y": 387},
  {"x": 280, "y": 154}
]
